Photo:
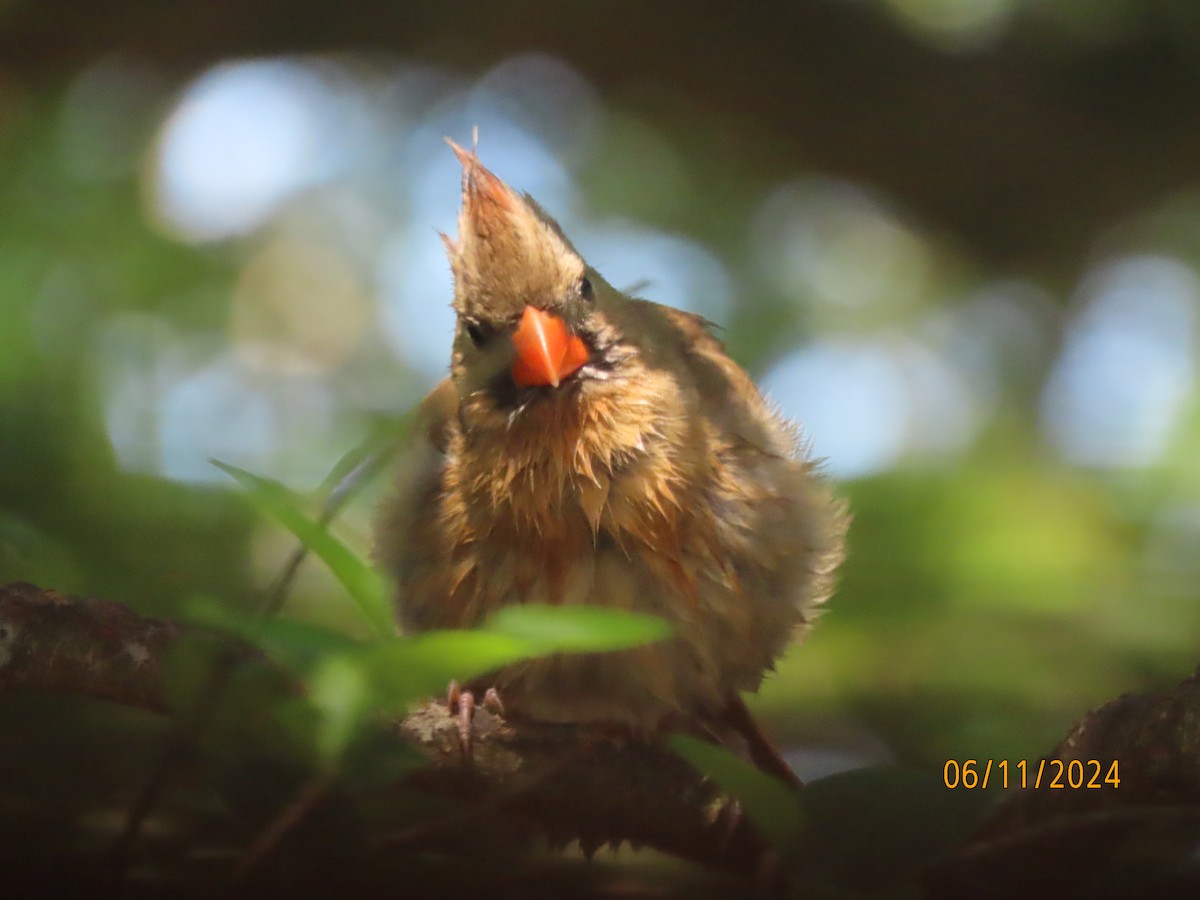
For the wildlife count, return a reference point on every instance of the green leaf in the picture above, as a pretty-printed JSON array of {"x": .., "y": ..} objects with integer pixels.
[
  {"x": 296, "y": 645},
  {"x": 361, "y": 582},
  {"x": 339, "y": 692},
  {"x": 406, "y": 670},
  {"x": 576, "y": 629},
  {"x": 771, "y": 805}
]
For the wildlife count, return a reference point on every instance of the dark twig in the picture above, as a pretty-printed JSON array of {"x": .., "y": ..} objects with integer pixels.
[
  {"x": 291, "y": 815},
  {"x": 353, "y": 470}
]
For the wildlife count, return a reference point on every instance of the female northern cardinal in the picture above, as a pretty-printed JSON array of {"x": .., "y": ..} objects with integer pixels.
[{"x": 590, "y": 447}]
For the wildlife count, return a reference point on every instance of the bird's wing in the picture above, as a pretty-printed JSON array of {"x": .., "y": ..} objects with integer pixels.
[
  {"x": 732, "y": 399},
  {"x": 699, "y": 341}
]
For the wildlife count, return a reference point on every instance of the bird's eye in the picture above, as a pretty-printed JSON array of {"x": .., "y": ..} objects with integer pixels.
[
  {"x": 476, "y": 333},
  {"x": 585, "y": 289}
]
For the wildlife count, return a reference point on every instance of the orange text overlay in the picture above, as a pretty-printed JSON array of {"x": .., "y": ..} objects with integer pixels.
[{"x": 1055, "y": 774}]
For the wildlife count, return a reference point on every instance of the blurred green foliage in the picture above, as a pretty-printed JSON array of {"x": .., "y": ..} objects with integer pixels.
[
  {"x": 989, "y": 598},
  {"x": 993, "y": 593}
]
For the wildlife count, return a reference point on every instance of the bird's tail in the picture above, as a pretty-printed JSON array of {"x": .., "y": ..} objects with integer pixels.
[{"x": 734, "y": 728}]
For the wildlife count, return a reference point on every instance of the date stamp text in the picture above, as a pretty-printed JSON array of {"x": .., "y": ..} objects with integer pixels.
[{"x": 1054, "y": 774}]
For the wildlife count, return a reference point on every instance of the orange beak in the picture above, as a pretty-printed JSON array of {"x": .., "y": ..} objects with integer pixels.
[{"x": 546, "y": 351}]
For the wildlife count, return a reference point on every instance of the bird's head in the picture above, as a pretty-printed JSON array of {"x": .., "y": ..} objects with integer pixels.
[{"x": 532, "y": 323}]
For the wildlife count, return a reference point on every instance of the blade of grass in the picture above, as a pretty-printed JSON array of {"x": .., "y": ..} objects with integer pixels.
[
  {"x": 355, "y": 468},
  {"x": 361, "y": 582}
]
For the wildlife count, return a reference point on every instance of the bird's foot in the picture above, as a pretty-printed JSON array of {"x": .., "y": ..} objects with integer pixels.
[{"x": 462, "y": 705}]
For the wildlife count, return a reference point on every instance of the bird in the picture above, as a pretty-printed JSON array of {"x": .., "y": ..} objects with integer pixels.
[{"x": 590, "y": 447}]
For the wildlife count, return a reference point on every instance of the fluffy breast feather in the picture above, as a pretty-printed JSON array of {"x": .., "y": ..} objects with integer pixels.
[{"x": 678, "y": 495}]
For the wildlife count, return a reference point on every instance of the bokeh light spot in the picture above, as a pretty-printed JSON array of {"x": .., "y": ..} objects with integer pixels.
[
  {"x": 1128, "y": 364},
  {"x": 244, "y": 137}
]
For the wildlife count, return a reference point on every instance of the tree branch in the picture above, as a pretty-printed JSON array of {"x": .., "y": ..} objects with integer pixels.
[{"x": 81, "y": 645}]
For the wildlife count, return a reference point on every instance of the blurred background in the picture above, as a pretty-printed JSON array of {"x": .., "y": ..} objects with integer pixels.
[{"x": 958, "y": 239}]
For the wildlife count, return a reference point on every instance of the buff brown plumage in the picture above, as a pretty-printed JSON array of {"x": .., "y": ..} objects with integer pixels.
[{"x": 593, "y": 448}]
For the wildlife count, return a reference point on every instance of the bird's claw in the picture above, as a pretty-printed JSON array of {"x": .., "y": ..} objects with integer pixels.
[
  {"x": 492, "y": 702},
  {"x": 462, "y": 706}
]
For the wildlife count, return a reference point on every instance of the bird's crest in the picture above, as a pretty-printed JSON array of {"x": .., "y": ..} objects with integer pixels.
[{"x": 508, "y": 253}]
